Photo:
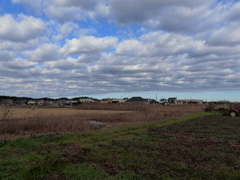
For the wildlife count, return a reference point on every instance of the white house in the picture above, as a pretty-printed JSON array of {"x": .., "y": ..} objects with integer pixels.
[
  {"x": 32, "y": 102},
  {"x": 86, "y": 100}
]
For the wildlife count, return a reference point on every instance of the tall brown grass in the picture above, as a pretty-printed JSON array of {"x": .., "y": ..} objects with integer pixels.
[
  {"x": 39, "y": 125},
  {"x": 5, "y": 116},
  {"x": 36, "y": 122},
  {"x": 140, "y": 107}
]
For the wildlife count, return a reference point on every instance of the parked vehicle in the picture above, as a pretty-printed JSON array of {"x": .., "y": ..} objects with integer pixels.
[{"x": 232, "y": 112}]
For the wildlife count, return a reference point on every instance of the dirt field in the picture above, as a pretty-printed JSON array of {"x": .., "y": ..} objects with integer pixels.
[{"x": 203, "y": 145}]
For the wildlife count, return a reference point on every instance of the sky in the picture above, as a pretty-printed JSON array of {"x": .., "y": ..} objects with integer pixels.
[{"x": 120, "y": 48}]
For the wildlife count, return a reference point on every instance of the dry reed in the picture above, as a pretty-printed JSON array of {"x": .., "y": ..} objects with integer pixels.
[{"x": 36, "y": 122}]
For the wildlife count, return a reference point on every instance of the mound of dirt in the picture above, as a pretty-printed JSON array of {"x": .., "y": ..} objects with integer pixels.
[{"x": 76, "y": 154}]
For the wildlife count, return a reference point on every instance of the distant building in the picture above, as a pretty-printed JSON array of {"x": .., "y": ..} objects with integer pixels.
[
  {"x": 137, "y": 100},
  {"x": 87, "y": 100},
  {"x": 172, "y": 100},
  {"x": 189, "y": 101},
  {"x": 41, "y": 102},
  {"x": 153, "y": 101},
  {"x": 192, "y": 101},
  {"x": 21, "y": 102},
  {"x": 115, "y": 100},
  {"x": 8, "y": 102},
  {"x": 106, "y": 101},
  {"x": 163, "y": 102},
  {"x": 32, "y": 102}
]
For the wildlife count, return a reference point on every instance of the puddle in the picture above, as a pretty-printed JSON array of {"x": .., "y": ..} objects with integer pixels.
[{"x": 97, "y": 123}]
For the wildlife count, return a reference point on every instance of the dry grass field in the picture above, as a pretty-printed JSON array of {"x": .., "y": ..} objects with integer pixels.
[
  {"x": 19, "y": 112},
  {"x": 32, "y": 121}
]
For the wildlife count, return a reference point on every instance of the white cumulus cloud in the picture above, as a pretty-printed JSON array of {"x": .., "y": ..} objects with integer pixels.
[
  {"x": 21, "y": 28},
  {"x": 89, "y": 44}
]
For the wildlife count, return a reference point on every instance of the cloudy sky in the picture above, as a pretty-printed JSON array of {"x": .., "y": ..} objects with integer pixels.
[{"x": 120, "y": 48}]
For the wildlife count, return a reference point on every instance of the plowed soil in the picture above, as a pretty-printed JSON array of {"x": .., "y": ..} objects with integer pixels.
[
  {"x": 206, "y": 144},
  {"x": 201, "y": 148}
]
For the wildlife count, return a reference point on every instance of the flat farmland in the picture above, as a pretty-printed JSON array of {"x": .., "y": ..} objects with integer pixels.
[
  {"x": 153, "y": 142},
  {"x": 18, "y": 112},
  {"x": 198, "y": 146},
  {"x": 32, "y": 121}
]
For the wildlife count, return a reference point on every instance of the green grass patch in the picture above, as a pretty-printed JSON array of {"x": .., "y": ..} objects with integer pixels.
[
  {"x": 10, "y": 168},
  {"x": 81, "y": 171}
]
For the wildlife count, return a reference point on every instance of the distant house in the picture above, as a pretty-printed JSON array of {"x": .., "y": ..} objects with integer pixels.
[
  {"x": 163, "y": 102},
  {"x": 172, "y": 100},
  {"x": 32, "y": 102},
  {"x": 192, "y": 101},
  {"x": 114, "y": 100},
  {"x": 87, "y": 100},
  {"x": 74, "y": 102},
  {"x": 106, "y": 101},
  {"x": 7, "y": 102},
  {"x": 137, "y": 100},
  {"x": 180, "y": 102},
  {"x": 153, "y": 101},
  {"x": 21, "y": 102},
  {"x": 41, "y": 102},
  {"x": 52, "y": 102},
  {"x": 189, "y": 101}
]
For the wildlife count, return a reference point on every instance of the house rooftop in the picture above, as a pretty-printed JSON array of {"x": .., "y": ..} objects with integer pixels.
[{"x": 137, "y": 99}]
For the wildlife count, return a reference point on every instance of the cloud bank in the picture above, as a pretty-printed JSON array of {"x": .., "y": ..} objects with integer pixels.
[{"x": 90, "y": 47}]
